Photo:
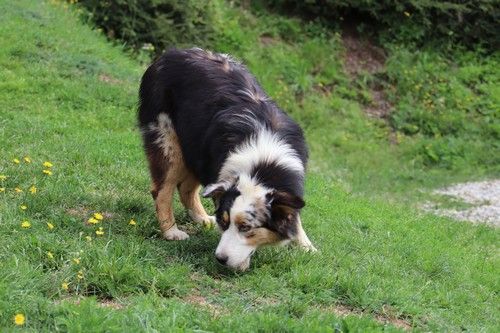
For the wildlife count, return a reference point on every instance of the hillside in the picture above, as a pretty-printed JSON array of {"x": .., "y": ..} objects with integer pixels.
[{"x": 68, "y": 97}]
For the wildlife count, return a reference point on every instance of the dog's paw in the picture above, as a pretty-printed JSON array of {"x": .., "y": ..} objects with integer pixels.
[
  {"x": 209, "y": 222},
  {"x": 206, "y": 221},
  {"x": 175, "y": 234},
  {"x": 308, "y": 247}
]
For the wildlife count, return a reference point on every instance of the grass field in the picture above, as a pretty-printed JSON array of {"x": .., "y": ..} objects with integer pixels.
[{"x": 68, "y": 97}]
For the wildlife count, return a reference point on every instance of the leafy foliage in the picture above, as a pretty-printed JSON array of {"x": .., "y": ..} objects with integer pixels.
[
  {"x": 452, "y": 104},
  {"x": 469, "y": 22},
  {"x": 160, "y": 23}
]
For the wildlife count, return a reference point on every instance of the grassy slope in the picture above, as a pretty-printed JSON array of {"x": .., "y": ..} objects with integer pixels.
[
  {"x": 55, "y": 104},
  {"x": 302, "y": 68}
]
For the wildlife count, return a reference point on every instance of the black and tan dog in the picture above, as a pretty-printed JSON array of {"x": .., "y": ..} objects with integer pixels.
[{"x": 205, "y": 120}]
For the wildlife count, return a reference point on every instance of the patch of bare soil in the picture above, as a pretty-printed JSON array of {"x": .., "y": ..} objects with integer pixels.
[
  {"x": 109, "y": 79},
  {"x": 386, "y": 318},
  {"x": 105, "y": 303},
  {"x": 111, "y": 304},
  {"x": 363, "y": 56},
  {"x": 78, "y": 212},
  {"x": 267, "y": 40},
  {"x": 199, "y": 300}
]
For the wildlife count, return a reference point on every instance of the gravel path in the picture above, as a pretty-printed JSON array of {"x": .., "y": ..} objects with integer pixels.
[{"x": 484, "y": 196}]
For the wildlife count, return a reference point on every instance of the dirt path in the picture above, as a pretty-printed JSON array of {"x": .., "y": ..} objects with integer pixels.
[
  {"x": 482, "y": 199},
  {"x": 363, "y": 56}
]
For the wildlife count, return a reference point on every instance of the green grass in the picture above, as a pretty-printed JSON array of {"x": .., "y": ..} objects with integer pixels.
[{"x": 68, "y": 97}]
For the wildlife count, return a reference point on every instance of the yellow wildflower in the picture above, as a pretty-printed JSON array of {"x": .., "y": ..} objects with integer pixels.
[
  {"x": 92, "y": 221},
  {"x": 132, "y": 222},
  {"x": 18, "y": 190},
  {"x": 47, "y": 164},
  {"x": 27, "y": 159},
  {"x": 26, "y": 225},
  {"x": 88, "y": 238},
  {"x": 80, "y": 275},
  {"x": 19, "y": 319},
  {"x": 3, "y": 177},
  {"x": 65, "y": 286},
  {"x": 76, "y": 261},
  {"x": 50, "y": 226},
  {"x": 47, "y": 172},
  {"x": 23, "y": 207},
  {"x": 407, "y": 14},
  {"x": 98, "y": 216},
  {"x": 99, "y": 232},
  {"x": 2, "y": 189},
  {"x": 32, "y": 189},
  {"x": 50, "y": 255},
  {"x": 16, "y": 161}
]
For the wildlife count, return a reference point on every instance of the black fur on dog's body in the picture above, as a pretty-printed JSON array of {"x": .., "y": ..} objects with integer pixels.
[
  {"x": 201, "y": 99},
  {"x": 214, "y": 106}
]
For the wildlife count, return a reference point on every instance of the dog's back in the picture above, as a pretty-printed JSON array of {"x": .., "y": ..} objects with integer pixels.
[{"x": 214, "y": 104}]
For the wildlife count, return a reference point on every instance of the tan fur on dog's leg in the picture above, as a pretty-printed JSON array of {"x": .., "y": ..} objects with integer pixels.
[
  {"x": 167, "y": 169},
  {"x": 189, "y": 192},
  {"x": 165, "y": 213},
  {"x": 302, "y": 238}
]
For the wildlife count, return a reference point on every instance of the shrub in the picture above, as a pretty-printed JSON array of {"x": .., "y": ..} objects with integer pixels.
[
  {"x": 160, "y": 23},
  {"x": 469, "y": 22}
]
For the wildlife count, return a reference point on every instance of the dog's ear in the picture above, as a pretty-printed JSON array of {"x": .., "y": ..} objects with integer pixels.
[
  {"x": 285, "y": 199},
  {"x": 284, "y": 212},
  {"x": 214, "y": 191}
]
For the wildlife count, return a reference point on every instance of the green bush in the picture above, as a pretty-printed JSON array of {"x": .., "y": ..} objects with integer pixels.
[
  {"x": 153, "y": 24},
  {"x": 470, "y": 22},
  {"x": 450, "y": 104}
]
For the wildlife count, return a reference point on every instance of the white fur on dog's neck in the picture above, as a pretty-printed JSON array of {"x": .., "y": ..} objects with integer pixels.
[{"x": 262, "y": 147}]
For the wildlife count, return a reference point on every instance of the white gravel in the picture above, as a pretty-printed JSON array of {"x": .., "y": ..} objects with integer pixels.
[{"x": 485, "y": 196}]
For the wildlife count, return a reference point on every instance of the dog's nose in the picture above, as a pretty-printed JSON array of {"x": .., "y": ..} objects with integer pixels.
[{"x": 222, "y": 259}]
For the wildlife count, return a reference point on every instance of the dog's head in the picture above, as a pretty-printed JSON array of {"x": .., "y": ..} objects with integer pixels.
[{"x": 251, "y": 215}]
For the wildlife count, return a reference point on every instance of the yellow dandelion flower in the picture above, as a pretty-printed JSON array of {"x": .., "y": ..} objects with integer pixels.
[
  {"x": 16, "y": 161},
  {"x": 92, "y": 221},
  {"x": 2, "y": 189},
  {"x": 65, "y": 286},
  {"x": 88, "y": 238},
  {"x": 80, "y": 275},
  {"x": 3, "y": 177},
  {"x": 26, "y": 225},
  {"x": 407, "y": 14},
  {"x": 76, "y": 261},
  {"x": 23, "y": 207},
  {"x": 50, "y": 226},
  {"x": 47, "y": 172},
  {"x": 98, "y": 216},
  {"x": 19, "y": 319},
  {"x": 32, "y": 189},
  {"x": 50, "y": 255},
  {"x": 27, "y": 159},
  {"x": 47, "y": 164},
  {"x": 99, "y": 232},
  {"x": 132, "y": 222},
  {"x": 18, "y": 190}
]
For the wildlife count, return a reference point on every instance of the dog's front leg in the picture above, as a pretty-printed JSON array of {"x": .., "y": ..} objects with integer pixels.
[{"x": 302, "y": 240}]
